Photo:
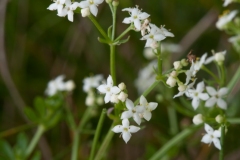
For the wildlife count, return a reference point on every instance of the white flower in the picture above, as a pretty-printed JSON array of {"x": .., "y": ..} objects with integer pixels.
[
  {"x": 225, "y": 19},
  {"x": 211, "y": 136},
  {"x": 91, "y": 4},
  {"x": 198, "y": 64},
  {"x": 122, "y": 96},
  {"x": 108, "y": 89},
  {"x": 122, "y": 86},
  {"x": 136, "y": 17},
  {"x": 85, "y": 12},
  {"x": 133, "y": 111},
  {"x": 68, "y": 9},
  {"x": 153, "y": 36},
  {"x": 57, "y": 5},
  {"x": 177, "y": 65},
  {"x": 125, "y": 129},
  {"x": 171, "y": 81},
  {"x": 216, "y": 97},
  {"x": 148, "y": 107},
  {"x": 58, "y": 84},
  {"x": 219, "y": 57},
  {"x": 198, "y": 119},
  {"x": 183, "y": 88},
  {"x": 227, "y": 2},
  {"x": 91, "y": 82},
  {"x": 196, "y": 94}
]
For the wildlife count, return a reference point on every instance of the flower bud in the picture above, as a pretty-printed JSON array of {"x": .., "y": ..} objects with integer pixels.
[
  {"x": 171, "y": 81},
  {"x": 99, "y": 100},
  {"x": 219, "y": 58},
  {"x": 184, "y": 62},
  {"x": 219, "y": 119},
  {"x": 69, "y": 85},
  {"x": 174, "y": 74},
  {"x": 198, "y": 119},
  {"x": 181, "y": 87},
  {"x": 114, "y": 98},
  {"x": 115, "y": 3},
  {"x": 122, "y": 96},
  {"x": 85, "y": 12},
  {"x": 89, "y": 100},
  {"x": 177, "y": 65},
  {"x": 108, "y": 1},
  {"x": 122, "y": 86}
]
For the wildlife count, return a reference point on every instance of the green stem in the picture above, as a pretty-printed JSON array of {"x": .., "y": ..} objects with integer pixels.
[
  {"x": 15, "y": 130},
  {"x": 70, "y": 118},
  {"x": 99, "y": 127},
  {"x": 221, "y": 156},
  {"x": 97, "y": 25},
  {"x": 159, "y": 60},
  {"x": 114, "y": 22},
  {"x": 234, "y": 80},
  {"x": 41, "y": 129},
  {"x": 145, "y": 93},
  {"x": 74, "y": 155},
  {"x": 234, "y": 120},
  {"x": 223, "y": 75},
  {"x": 211, "y": 73},
  {"x": 174, "y": 141},
  {"x": 105, "y": 142},
  {"x": 85, "y": 118},
  {"x": 112, "y": 63},
  {"x": 124, "y": 32}
]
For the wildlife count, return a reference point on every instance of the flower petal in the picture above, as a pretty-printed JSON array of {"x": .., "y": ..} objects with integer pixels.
[
  {"x": 84, "y": 4},
  {"x": 93, "y": 10},
  {"x": 110, "y": 81},
  {"x": 143, "y": 101},
  {"x": 211, "y": 91},
  {"x": 125, "y": 123},
  {"x": 98, "y": 1},
  {"x": 203, "y": 96},
  {"x": 133, "y": 129},
  {"x": 126, "y": 114},
  {"x": 137, "y": 119},
  {"x": 211, "y": 101},
  {"x": 107, "y": 98},
  {"x": 129, "y": 104},
  {"x": 126, "y": 136},
  {"x": 200, "y": 86},
  {"x": 137, "y": 24},
  {"x": 206, "y": 139},
  {"x": 217, "y": 133},
  {"x": 147, "y": 115},
  {"x": 102, "y": 88},
  {"x": 152, "y": 105},
  {"x": 115, "y": 90},
  {"x": 216, "y": 143},
  {"x": 143, "y": 15},
  {"x": 117, "y": 129},
  {"x": 221, "y": 103},
  {"x": 127, "y": 20},
  {"x": 195, "y": 103},
  {"x": 223, "y": 91},
  {"x": 53, "y": 7},
  {"x": 208, "y": 129},
  {"x": 70, "y": 16}
]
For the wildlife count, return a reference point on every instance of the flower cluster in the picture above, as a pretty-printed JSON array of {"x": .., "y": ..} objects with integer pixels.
[
  {"x": 67, "y": 7},
  {"x": 89, "y": 85},
  {"x": 58, "y": 85},
  {"x": 150, "y": 32},
  {"x": 112, "y": 93},
  {"x": 143, "y": 110}
]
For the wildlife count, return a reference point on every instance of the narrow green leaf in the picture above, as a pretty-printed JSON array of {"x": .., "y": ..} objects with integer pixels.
[
  {"x": 31, "y": 114},
  {"x": 110, "y": 31},
  {"x": 40, "y": 106}
]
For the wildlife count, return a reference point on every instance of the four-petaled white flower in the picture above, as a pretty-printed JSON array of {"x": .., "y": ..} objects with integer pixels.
[
  {"x": 57, "y": 5},
  {"x": 92, "y": 5},
  {"x": 136, "y": 17},
  {"x": 212, "y": 136},
  {"x": 148, "y": 107},
  {"x": 125, "y": 129},
  {"x": 132, "y": 112},
  {"x": 108, "y": 89},
  {"x": 91, "y": 82},
  {"x": 225, "y": 19},
  {"x": 68, "y": 9},
  {"x": 154, "y": 35},
  {"x": 58, "y": 84},
  {"x": 196, "y": 95},
  {"x": 216, "y": 97}
]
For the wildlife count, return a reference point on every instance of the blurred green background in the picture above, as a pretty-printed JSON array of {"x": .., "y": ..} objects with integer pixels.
[{"x": 39, "y": 46}]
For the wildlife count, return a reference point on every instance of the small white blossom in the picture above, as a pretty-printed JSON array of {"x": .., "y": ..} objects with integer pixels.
[
  {"x": 183, "y": 89},
  {"x": 108, "y": 89},
  {"x": 122, "y": 86},
  {"x": 133, "y": 111},
  {"x": 171, "y": 81},
  {"x": 58, "y": 84},
  {"x": 153, "y": 36},
  {"x": 122, "y": 96},
  {"x": 211, "y": 136},
  {"x": 85, "y": 12},
  {"x": 57, "y": 5},
  {"x": 125, "y": 130},
  {"x": 148, "y": 108},
  {"x": 225, "y": 19},
  {"x": 90, "y": 100},
  {"x": 136, "y": 17},
  {"x": 216, "y": 97},
  {"x": 198, "y": 119},
  {"x": 219, "y": 57},
  {"x": 177, "y": 65},
  {"x": 91, "y": 4},
  {"x": 69, "y": 9},
  {"x": 91, "y": 82},
  {"x": 196, "y": 95}
]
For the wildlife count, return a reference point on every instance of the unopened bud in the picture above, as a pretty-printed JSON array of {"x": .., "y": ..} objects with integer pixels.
[
  {"x": 114, "y": 98},
  {"x": 198, "y": 119},
  {"x": 69, "y": 85},
  {"x": 115, "y": 3},
  {"x": 122, "y": 86},
  {"x": 219, "y": 57},
  {"x": 184, "y": 62},
  {"x": 174, "y": 74},
  {"x": 171, "y": 81},
  {"x": 122, "y": 96},
  {"x": 219, "y": 119},
  {"x": 182, "y": 87},
  {"x": 89, "y": 101},
  {"x": 85, "y": 12},
  {"x": 108, "y": 1},
  {"x": 177, "y": 65}
]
